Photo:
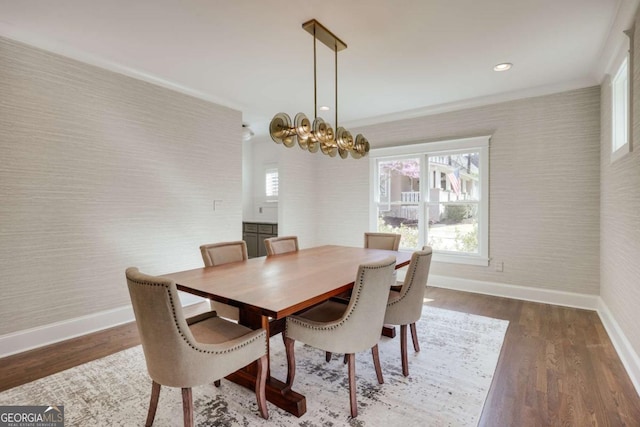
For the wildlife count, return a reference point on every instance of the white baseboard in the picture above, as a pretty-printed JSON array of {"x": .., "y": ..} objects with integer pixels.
[
  {"x": 40, "y": 336},
  {"x": 545, "y": 296},
  {"x": 628, "y": 356}
]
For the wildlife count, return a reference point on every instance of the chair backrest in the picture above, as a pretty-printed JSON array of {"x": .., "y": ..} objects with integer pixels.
[
  {"x": 359, "y": 328},
  {"x": 166, "y": 339},
  {"x": 223, "y": 253},
  {"x": 281, "y": 245},
  {"x": 407, "y": 308},
  {"x": 388, "y": 241}
]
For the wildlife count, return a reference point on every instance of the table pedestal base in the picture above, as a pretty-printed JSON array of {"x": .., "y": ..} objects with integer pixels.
[
  {"x": 389, "y": 331},
  {"x": 289, "y": 400}
]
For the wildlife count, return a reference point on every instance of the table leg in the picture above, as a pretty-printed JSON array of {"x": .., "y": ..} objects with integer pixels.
[{"x": 276, "y": 392}]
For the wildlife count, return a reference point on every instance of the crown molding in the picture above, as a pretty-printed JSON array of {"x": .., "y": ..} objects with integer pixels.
[
  {"x": 477, "y": 102},
  {"x": 616, "y": 39},
  {"x": 60, "y": 48}
]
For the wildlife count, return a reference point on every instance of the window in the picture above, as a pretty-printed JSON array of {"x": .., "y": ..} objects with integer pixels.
[
  {"x": 620, "y": 111},
  {"x": 434, "y": 194},
  {"x": 271, "y": 184}
]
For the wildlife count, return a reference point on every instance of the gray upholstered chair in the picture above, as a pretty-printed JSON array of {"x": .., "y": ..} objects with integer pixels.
[
  {"x": 404, "y": 307},
  {"x": 187, "y": 353},
  {"x": 223, "y": 253},
  {"x": 389, "y": 241},
  {"x": 340, "y": 328},
  {"x": 281, "y": 245}
]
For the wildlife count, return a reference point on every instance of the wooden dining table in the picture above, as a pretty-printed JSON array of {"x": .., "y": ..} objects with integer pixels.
[{"x": 268, "y": 289}]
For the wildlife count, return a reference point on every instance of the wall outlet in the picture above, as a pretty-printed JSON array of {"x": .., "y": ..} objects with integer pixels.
[
  {"x": 260, "y": 209},
  {"x": 500, "y": 266}
]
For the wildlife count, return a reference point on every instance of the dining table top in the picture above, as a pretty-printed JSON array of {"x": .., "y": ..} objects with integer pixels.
[{"x": 280, "y": 285}]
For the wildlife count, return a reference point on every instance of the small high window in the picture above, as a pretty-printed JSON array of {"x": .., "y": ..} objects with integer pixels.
[
  {"x": 620, "y": 111},
  {"x": 271, "y": 184}
]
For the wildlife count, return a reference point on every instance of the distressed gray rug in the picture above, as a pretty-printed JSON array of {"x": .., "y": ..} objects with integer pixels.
[{"x": 448, "y": 384}]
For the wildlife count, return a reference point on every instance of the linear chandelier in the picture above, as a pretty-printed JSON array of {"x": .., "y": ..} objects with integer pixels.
[{"x": 320, "y": 134}]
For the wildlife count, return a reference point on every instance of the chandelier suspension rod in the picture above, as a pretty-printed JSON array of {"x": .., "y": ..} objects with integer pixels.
[
  {"x": 315, "y": 78},
  {"x": 335, "y": 51}
]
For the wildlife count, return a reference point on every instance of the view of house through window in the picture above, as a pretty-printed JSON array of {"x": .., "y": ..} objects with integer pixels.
[
  {"x": 399, "y": 199},
  {"x": 434, "y": 199}
]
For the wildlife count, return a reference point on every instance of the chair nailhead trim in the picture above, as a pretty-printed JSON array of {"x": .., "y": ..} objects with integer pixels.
[
  {"x": 411, "y": 276},
  {"x": 355, "y": 303},
  {"x": 182, "y": 334}
]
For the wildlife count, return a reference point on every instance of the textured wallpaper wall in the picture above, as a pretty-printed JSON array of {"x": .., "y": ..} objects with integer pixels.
[
  {"x": 544, "y": 187},
  {"x": 343, "y": 213},
  {"x": 298, "y": 200},
  {"x": 620, "y": 215},
  {"x": 99, "y": 172}
]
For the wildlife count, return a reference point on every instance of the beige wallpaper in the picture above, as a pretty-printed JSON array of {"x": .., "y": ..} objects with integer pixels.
[
  {"x": 298, "y": 200},
  {"x": 544, "y": 188},
  {"x": 343, "y": 214},
  {"x": 99, "y": 172},
  {"x": 620, "y": 215}
]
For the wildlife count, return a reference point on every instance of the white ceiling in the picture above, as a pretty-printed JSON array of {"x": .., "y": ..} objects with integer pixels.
[{"x": 404, "y": 57}]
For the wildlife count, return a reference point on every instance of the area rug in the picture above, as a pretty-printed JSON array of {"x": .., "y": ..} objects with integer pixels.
[{"x": 447, "y": 386}]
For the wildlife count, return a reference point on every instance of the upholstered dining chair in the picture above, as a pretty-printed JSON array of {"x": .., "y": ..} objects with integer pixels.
[
  {"x": 281, "y": 245},
  {"x": 404, "y": 307},
  {"x": 388, "y": 241},
  {"x": 222, "y": 253},
  {"x": 335, "y": 327},
  {"x": 187, "y": 353}
]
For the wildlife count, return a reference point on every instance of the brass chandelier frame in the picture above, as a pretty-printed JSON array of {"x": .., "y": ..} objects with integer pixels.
[{"x": 319, "y": 135}]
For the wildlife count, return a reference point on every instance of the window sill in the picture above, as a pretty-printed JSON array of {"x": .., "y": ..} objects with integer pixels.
[
  {"x": 620, "y": 152},
  {"x": 456, "y": 259}
]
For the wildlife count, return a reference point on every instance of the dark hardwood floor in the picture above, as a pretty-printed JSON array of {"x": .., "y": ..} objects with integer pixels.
[{"x": 557, "y": 366}]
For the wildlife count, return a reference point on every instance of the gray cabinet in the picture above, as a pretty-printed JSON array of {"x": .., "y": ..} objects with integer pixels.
[{"x": 254, "y": 233}]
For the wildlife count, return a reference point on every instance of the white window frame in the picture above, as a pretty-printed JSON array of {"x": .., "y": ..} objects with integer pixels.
[
  {"x": 479, "y": 144},
  {"x": 620, "y": 106}
]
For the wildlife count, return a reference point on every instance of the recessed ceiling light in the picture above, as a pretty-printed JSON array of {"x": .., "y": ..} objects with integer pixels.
[
  {"x": 324, "y": 108},
  {"x": 503, "y": 67}
]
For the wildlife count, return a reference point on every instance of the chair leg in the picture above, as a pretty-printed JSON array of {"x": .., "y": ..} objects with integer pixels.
[
  {"x": 414, "y": 337},
  {"x": 352, "y": 384},
  {"x": 403, "y": 350},
  {"x": 327, "y": 356},
  {"x": 261, "y": 382},
  {"x": 187, "y": 407},
  {"x": 291, "y": 361},
  {"x": 153, "y": 404},
  {"x": 376, "y": 363},
  {"x": 216, "y": 383}
]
